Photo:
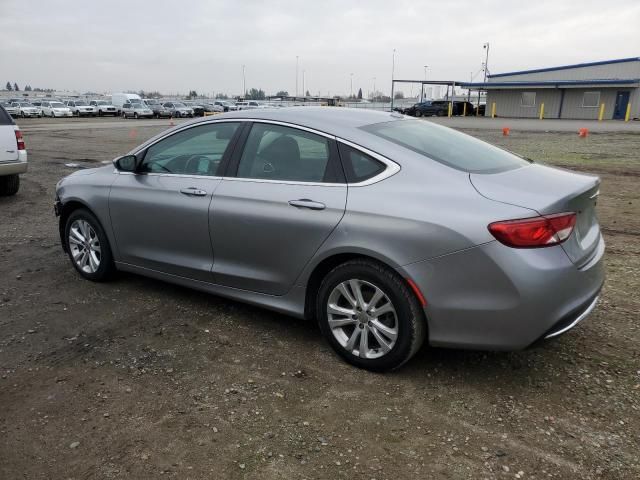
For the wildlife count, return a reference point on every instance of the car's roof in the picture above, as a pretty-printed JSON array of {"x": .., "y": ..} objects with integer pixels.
[{"x": 332, "y": 120}]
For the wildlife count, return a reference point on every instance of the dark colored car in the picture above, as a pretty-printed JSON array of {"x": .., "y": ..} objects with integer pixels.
[
  {"x": 457, "y": 108},
  {"x": 198, "y": 110},
  {"x": 426, "y": 109}
]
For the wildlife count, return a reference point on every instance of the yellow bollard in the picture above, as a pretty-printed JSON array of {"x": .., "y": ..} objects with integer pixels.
[
  {"x": 541, "y": 111},
  {"x": 627, "y": 115},
  {"x": 493, "y": 110},
  {"x": 464, "y": 110},
  {"x": 450, "y": 109},
  {"x": 601, "y": 113}
]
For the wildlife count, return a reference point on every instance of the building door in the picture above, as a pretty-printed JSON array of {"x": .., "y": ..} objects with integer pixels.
[{"x": 622, "y": 100}]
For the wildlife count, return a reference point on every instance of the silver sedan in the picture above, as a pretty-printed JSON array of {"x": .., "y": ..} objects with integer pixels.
[{"x": 388, "y": 231}]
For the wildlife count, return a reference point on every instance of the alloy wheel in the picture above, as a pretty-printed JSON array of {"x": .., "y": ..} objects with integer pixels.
[
  {"x": 84, "y": 245},
  {"x": 362, "y": 319}
]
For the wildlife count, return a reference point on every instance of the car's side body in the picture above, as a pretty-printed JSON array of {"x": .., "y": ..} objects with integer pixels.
[
  {"x": 243, "y": 238},
  {"x": 102, "y": 107},
  {"x": 136, "y": 110}
]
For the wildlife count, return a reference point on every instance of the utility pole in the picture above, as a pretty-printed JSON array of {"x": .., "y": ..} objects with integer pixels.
[
  {"x": 244, "y": 83},
  {"x": 485, "y": 66},
  {"x": 393, "y": 71},
  {"x": 296, "y": 75},
  {"x": 374, "y": 88},
  {"x": 351, "y": 96},
  {"x": 303, "y": 88}
]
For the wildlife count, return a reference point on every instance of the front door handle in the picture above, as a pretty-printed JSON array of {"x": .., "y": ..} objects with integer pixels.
[
  {"x": 306, "y": 203},
  {"x": 193, "y": 192}
]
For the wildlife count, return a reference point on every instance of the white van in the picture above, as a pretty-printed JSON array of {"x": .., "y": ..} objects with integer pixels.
[{"x": 119, "y": 99}]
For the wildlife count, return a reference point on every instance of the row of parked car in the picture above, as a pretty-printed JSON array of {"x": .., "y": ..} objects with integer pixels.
[
  {"x": 440, "y": 108},
  {"x": 124, "y": 105}
]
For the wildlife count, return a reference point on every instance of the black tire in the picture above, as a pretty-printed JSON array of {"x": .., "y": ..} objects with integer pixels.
[
  {"x": 106, "y": 267},
  {"x": 440, "y": 113},
  {"x": 135, "y": 115},
  {"x": 411, "y": 322},
  {"x": 9, "y": 185},
  {"x": 418, "y": 113}
]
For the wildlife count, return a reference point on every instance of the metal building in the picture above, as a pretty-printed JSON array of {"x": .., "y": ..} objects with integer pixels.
[{"x": 598, "y": 90}]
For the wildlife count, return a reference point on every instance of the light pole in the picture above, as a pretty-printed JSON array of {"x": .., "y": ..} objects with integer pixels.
[
  {"x": 422, "y": 89},
  {"x": 303, "y": 88},
  {"x": 244, "y": 83},
  {"x": 485, "y": 65},
  {"x": 352, "y": 85},
  {"x": 393, "y": 71},
  {"x": 374, "y": 88},
  {"x": 296, "y": 75}
]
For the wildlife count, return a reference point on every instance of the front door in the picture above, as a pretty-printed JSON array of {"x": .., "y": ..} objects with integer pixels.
[
  {"x": 160, "y": 215},
  {"x": 284, "y": 200},
  {"x": 620, "y": 110}
]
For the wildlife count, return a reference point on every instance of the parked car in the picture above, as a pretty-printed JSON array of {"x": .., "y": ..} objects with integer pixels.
[
  {"x": 178, "y": 109},
  {"x": 426, "y": 109},
  {"x": 10, "y": 108},
  {"x": 104, "y": 108},
  {"x": 159, "y": 110},
  {"x": 55, "y": 109},
  {"x": 247, "y": 105},
  {"x": 383, "y": 229},
  {"x": 119, "y": 99},
  {"x": 13, "y": 154},
  {"x": 198, "y": 109},
  {"x": 221, "y": 106},
  {"x": 480, "y": 109},
  {"x": 81, "y": 108},
  {"x": 209, "y": 107},
  {"x": 457, "y": 107},
  {"x": 25, "y": 109},
  {"x": 136, "y": 110}
]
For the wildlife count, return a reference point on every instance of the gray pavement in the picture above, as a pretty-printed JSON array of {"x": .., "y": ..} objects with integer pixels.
[{"x": 535, "y": 125}]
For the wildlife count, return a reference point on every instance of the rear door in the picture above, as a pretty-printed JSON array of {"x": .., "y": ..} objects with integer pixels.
[
  {"x": 282, "y": 198},
  {"x": 8, "y": 144},
  {"x": 160, "y": 215}
]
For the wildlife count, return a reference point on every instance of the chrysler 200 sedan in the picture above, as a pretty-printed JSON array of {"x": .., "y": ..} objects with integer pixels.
[{"x": 386, "y": 230}]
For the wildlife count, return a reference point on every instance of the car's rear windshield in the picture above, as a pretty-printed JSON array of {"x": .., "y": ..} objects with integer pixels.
[
  {"x": 447, "y": 146},
  {"x": 5, "y": 118}
]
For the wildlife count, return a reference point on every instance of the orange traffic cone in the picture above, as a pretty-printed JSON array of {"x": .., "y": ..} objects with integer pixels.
[
  {"x": 583, "y": 132},
  {"x": 505, "y": 131},
  {"x": 133, "y": 134}
]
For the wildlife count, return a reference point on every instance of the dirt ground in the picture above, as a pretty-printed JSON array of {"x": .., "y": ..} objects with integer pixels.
[{"x": 139, "y": 379}]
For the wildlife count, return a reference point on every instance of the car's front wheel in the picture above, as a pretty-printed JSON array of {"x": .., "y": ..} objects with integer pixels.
[
  {"x": 88, "y": 246},
  {"x": 370, "y": 316},
  {"x": 418, "y": 113}
]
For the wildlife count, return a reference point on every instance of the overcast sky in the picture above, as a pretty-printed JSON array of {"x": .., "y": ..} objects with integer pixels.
[{"x": 174, "y": 46}]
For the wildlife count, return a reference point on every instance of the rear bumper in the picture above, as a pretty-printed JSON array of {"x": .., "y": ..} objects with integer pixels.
[
  {"x": 13, "y": 168},
  {"x": 498, "y": 298}
]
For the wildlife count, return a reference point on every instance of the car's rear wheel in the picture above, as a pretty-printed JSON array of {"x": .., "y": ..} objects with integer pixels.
[
  {"x": 370, "y": 316},
  {"x": 88, "y": 246},
  {"x": 418, "y": 113},
  {"x": 440, "y": 113},
  {"x": 9, "y": 185}
]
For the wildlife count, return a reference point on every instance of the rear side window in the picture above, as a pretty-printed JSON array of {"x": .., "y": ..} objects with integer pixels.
[
  {"x": 447, "y": 146},
  {"x": 359, "y": 166},
  {"x": 5, "y": 118}
]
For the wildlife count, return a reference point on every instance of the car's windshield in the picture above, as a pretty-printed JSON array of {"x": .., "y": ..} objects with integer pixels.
[
  {"x": 447, "y": 146},
  {"x": 179, "y": 105},
  {"x": 56, "y": 105},
  {"x": 81, "y": 104},
  {"x": 101, "y": 102},
  {"x": 24, "y": 104}
]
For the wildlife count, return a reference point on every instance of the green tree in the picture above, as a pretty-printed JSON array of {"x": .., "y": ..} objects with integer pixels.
[
  {"x": 27, "y": 88},
  {"x": 307, "y": 94},
  {"x": 9, "y": 87},
  {"x": 255, "y": 94},
  {"x": 398, "y": 96},
  {"x": 222, "y": 96},
  {"x": 282, "y": 93},
  {"x": 192, "y": 94},
  {"x": 359, "y": 94},
  {"x": 15, "y": 87}
]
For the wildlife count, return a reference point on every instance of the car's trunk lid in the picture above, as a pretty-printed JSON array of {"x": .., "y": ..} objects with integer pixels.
[{"x": 550, "y": 190}]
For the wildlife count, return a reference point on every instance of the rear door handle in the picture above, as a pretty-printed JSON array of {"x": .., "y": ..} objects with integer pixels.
[
  {"x": 306, "y": 203},
  {"x": 193, "y": 192}
]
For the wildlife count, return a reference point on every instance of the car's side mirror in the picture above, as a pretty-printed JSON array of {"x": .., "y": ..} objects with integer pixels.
[{"x": 127, "y": 163}]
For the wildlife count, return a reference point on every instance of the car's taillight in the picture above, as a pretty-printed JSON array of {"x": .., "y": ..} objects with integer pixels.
[
  {"x": 534, "y": 232},
  {"x": 19, "y": 140}
]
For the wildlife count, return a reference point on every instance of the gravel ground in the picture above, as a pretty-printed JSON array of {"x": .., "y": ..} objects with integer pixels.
[{"x": 140, "y": 379}]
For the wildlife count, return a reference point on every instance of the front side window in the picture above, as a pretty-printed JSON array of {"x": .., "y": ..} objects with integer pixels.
[
  {"x": 528, "y": 99},
  {"x": 359, "y": 166},
  {"x": 591, "y": 99},
  {"x": 194, "y": 151},
  {"x": 447, "y": 146},
  {"x": 275, "y": 152}
]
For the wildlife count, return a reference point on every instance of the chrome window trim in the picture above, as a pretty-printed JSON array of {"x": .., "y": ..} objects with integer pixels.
[{"x": 392, "y": 167}]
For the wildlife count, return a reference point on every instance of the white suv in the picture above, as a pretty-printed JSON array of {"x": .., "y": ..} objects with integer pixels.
[{"x": 13, "y": 155}]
